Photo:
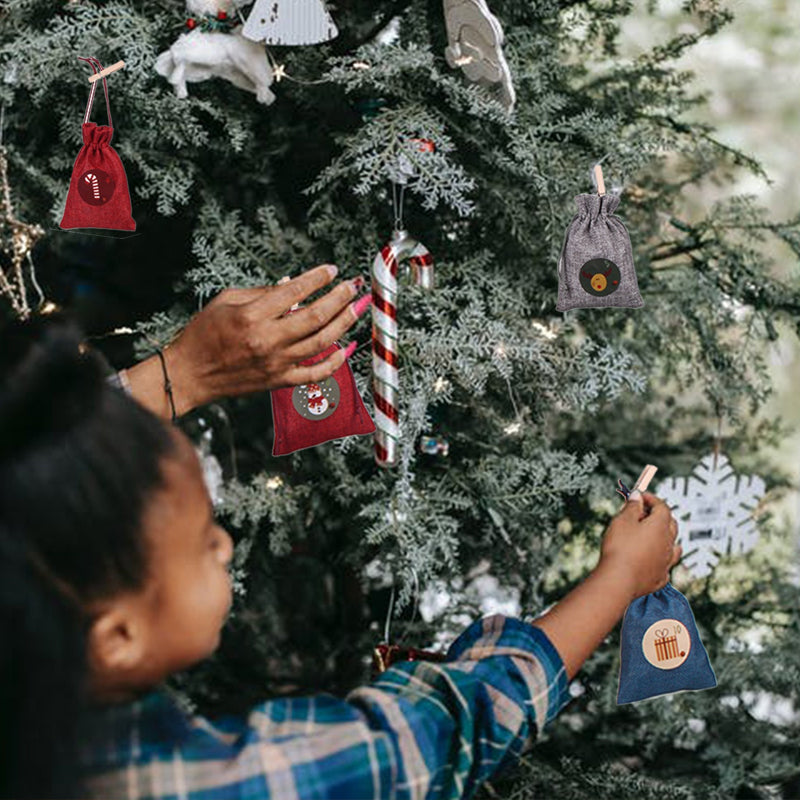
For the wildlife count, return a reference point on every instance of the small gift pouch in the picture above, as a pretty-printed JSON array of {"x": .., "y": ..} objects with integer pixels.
[
  {"x": 660, "y": 648},
  {"x": 98, "y": 191},
  {"x": 595, "y": 269},
  {"x": 308, "y": 415}
]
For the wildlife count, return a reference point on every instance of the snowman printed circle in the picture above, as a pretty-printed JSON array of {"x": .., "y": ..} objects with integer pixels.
[
  {"x": 96, "y": 186},
  {"x": 314, "y": 401},
  {"x": 666, "y": 644},
  {"x": 600, "y": 277}
]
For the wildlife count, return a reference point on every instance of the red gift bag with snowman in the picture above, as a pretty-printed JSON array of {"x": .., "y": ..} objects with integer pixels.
[
  {"x": 313, "y": 413},
  {"x": 98, "y": 191}
]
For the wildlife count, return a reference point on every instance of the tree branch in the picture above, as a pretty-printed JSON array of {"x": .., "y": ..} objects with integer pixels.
[{"x": 348, "y": 43}]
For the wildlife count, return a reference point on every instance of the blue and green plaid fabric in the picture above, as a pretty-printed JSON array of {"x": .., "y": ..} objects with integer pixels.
[{"x": 421, "y": 730}]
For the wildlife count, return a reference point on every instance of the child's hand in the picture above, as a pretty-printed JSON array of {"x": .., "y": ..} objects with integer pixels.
[
  {"x": 637, "y": 554},
  {"x": 639, "y": 545}
]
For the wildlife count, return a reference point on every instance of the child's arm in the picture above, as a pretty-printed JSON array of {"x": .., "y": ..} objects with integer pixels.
[
  {"x": 433, "y": 730},
  {"x": 638, "y": 552}
]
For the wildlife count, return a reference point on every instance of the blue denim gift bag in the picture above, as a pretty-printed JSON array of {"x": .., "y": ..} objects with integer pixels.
[{"x": 660, "y": 648}]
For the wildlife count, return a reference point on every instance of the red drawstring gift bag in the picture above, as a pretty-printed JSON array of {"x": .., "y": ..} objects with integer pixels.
[
  {"x": 98, "y": 192},
  {"x": 308, "y": 415}
]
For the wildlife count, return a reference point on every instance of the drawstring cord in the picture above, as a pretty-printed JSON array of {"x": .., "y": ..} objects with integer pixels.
[{"x": 96, "y": 67}]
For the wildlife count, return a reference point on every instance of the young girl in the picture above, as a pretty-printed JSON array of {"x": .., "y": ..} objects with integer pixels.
[{"x": 113, "y": 575}]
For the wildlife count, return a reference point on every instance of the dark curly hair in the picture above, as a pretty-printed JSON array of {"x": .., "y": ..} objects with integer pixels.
[{"x": 78, "y": 461}]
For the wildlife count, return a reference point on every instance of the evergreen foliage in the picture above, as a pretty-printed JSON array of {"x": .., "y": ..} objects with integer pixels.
[{"x": 542, "y": 412}]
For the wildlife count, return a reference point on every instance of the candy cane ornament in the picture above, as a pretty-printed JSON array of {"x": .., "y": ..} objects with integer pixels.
[{"x": 385, "y": 383}]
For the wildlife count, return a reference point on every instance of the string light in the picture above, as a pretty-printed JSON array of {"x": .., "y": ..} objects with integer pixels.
[
  {"x": 274, "y": 483},
  {"x": 500, "y": 350},
  {"x": 512, "y": 429},
  {"x": 543, "y": 330},
  {"x": 441, "y": 384}
]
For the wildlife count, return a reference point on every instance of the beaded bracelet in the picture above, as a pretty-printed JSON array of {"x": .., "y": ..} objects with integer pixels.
[
  {"x": 124, "y": 382},
  {"x": 167, "y": 384}
]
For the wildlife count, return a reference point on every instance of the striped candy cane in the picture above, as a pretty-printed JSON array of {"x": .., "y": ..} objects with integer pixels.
[
  {"x": 91, "y": 179},
  {"x": 385, "y": 386}
]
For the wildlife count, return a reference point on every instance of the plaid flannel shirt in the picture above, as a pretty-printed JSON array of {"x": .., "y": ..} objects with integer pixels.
[{"x": 421, "y": 730}]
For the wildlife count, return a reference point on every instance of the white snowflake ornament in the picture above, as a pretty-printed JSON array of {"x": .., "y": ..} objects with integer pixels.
[{"x": 714, "y": 508}]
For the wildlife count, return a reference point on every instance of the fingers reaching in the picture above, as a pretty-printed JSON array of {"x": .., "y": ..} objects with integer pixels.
[
  {"x": 320, "y": 340},
  {"x": 307, "y": 321},
  {"x": 673, "y": 528},
  {"x": 633, "y": 508},
  {"x": 314, "y": 373},
  {"x": 298, "y": 289},
  {"x": 654, "y": 505},
  {"x": 237, "y": 297}
]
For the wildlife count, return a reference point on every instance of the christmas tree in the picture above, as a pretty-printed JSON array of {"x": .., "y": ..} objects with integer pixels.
[{"x": 536, "y": 414}]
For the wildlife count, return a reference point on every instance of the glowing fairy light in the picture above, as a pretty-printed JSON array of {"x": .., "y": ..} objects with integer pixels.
[{"x": 543, "y": 330}]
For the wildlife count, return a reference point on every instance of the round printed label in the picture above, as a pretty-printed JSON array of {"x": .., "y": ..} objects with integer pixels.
[
  {"x": 666, "y": 644},
  {"x": 600, "y": 277},
  {"x": 96, "y": 186},
  {"x": 315, "y": 401}
]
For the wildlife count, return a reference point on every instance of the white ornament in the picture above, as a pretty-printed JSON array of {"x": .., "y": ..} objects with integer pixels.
[
  {"x": 199, "y": 55},
  {"x": 197, "y": 8},
  {"x": 475, "y": 43},
  {"x": 290, "y": 22},
  {"x": 714, "y": 508}
]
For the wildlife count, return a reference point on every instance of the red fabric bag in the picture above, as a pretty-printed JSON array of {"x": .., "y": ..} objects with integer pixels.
[
  {"x": 98, "y": 192},
  {"x": 308, "y": 415}
]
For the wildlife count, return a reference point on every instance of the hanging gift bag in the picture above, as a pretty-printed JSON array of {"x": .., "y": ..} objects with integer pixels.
[
  {"x": 660, "y": 648},
  {"x": 314, "y": 413},
  {"x": 595, "y": 269},
  {"x": 98, "y": 191}
]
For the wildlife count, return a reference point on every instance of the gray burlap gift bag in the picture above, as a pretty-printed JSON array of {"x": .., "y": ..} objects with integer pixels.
[{"x": 596, "y": 265}]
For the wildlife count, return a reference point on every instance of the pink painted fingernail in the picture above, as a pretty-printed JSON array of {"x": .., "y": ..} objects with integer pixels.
[
  {"x": 350, "y": 349},
  {"x": 332, "y": 270},
  {"x": 362, "y": 304}
]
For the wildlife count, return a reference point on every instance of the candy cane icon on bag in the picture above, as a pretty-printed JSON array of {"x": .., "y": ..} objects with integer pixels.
[
  {"x": 94, "y": 184},
  {"x": 385, "y": 383}
]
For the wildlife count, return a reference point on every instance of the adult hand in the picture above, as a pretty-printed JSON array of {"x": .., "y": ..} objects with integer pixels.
[{"x": 243, "y": 342}]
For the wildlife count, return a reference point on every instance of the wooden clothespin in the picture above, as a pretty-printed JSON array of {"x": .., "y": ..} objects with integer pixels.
[
  {"x": 648, "y": 473},
  {"x": 642, "y": 482},
  {"x": 106, "y": 71},
  {"x": 601, "y": 185}
]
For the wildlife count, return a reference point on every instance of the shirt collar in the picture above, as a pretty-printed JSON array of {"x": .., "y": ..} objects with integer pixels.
[{"x": 123, "y": 732}]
